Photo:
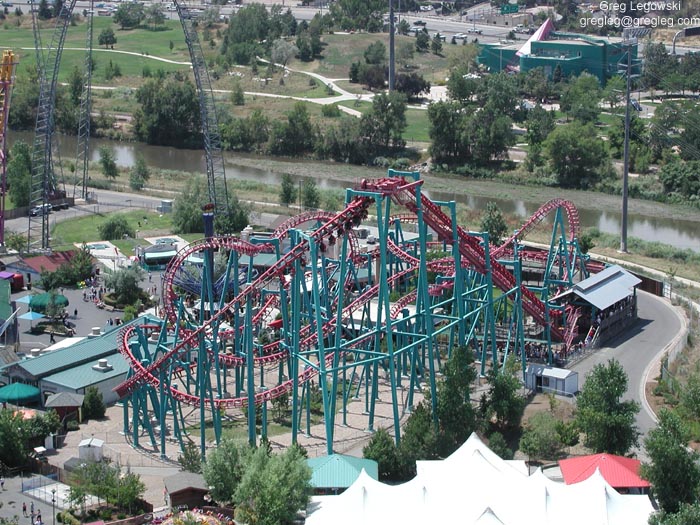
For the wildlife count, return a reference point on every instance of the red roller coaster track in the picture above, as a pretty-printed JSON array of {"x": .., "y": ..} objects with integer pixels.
[{"x": 336, "y": 225}]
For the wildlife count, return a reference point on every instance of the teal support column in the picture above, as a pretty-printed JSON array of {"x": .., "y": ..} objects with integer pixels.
[{"x": 250, "y": 371}]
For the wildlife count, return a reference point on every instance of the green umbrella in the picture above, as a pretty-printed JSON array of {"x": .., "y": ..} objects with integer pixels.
[
  {"x": 39, "y": 302},
  {"x": 19, "y": 393}
]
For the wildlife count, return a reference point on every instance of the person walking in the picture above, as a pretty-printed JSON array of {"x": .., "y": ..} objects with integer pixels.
[
  {"x": 24, "y": 509},
  {"x": 2, "y": 482}
]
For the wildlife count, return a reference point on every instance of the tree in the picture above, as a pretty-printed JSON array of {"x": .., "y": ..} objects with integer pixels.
[
  {"x": 686, "y": 515},
  {"x": 365, "y": 15},
  {"x": 581, "y": 98},
  {"x": 658, "y": 64},
  {"x": 456, "y": 417},
  {"x": 382, "y": 449},
  {"x": 447, "y": 132},
  {"x": 375, "y": 53},
  {"x": 540, "y": 439},
  {"x": 422, "y": 41},
  {"x": 107, "y": 38},
  {"x": 115, "y": 227},
  {"x": 93, "y": 404},
  {"x": 139, "y": 174},
  {"x": 129, "y": 491},
  {"x": 606, "y": 420},
  {"x": 237, "y": 94},
  {"x": 690, "y": 397},
  {"x": 436, "y": 44},
  {"x": 494, "y": 224},
  {"x": 191, "y": 459},
  {"x": 107, "y": 163},
  {"x": 187, "y": 209},
  {"x": 155, "y": 16},
  {"x": 576, "y": 155},
  {"x": 503, "y": 401},
  {"x": 282, "y": 52},
  {"x": 129, "y": 15},
  {"x": 412, "y": 85},
  {"x": 75, "y": 85},
  {"x": 385, "y": 123},
  {"x": 310, "y": 197},
  {"x": 13, "y": 438},
  {"x": 296, "y": 136},
  {"x": 53, "y": 308},
  {"x": 224, "y": 469},
  {"x": 44, "y": 10},
  {"x": 614, "y": 88},
  {"x": 19, "y": 173},
  {"x": 404, "y": 53},
  {"x": 273, "y": 487},
  {"x": 125, "y": 283},
  {"x": 419, "y": 440},
  {"x": 169, "y": 113},
  {"x": 288, "y": 190},
  {"x": 498, "y": 445},
  {"x": 673, "y": 468}
]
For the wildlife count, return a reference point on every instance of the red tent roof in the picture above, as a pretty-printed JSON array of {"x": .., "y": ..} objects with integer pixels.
[{"x": 619, "y": 471}]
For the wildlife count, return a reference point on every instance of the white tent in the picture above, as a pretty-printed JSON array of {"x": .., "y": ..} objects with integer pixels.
[{"x": 476, "y": 487}]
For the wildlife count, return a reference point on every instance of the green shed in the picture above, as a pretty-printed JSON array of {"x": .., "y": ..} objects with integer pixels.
[{"x": 335, "y": 473}]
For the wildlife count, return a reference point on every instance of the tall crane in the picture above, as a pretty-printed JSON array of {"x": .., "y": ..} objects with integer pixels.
[{"x": 7, "y": 77}]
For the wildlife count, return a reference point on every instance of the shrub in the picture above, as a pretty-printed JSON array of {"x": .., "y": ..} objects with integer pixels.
[
  {"x": 330, "y": 110},
  {"x": 72, "y": 425}
]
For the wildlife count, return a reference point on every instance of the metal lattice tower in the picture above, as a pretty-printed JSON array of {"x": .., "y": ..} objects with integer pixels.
[
  {"x": 7, "y": 77},
  {"x": 43, "y": 179},
  {"x": 83, "y": 154},
  {"x": 216, "y": 173}
]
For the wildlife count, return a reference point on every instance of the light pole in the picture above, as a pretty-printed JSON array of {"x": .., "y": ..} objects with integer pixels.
[{"x": 53, "y": 505}]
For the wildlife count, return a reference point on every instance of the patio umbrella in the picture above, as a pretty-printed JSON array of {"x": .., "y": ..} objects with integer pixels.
[
  {"x": 32, "y": 316},
  {"x": 40, "y": 301},
  {"x": 19, "y": 393},
  {"x": 26, "y": 299}
]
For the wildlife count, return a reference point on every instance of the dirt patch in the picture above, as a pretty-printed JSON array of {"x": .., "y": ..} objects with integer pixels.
[{"x": 561, "y": 408}]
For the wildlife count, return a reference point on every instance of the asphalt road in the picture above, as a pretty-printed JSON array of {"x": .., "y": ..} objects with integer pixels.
[{"x": 658, "y": 324}]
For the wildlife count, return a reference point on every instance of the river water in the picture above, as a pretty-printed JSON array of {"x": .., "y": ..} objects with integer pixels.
[{"x": 675, "y": 232}]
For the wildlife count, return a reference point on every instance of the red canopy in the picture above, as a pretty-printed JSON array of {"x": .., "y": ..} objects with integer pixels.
[{"x": 619, "y": 471}]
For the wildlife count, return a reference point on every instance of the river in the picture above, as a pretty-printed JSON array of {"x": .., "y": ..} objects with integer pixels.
[{"x": 675, "y": 232}]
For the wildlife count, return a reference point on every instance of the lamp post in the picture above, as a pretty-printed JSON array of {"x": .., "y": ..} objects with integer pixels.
[{"x": 53, "y": 505}]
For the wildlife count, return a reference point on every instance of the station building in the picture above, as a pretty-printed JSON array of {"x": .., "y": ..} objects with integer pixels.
[{"x": 547, "y": 49}]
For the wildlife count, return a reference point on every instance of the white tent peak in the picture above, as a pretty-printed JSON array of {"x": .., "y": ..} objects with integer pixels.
[
  {"x": 488, "y": 517},
  {"x": 474, "y": 486}
]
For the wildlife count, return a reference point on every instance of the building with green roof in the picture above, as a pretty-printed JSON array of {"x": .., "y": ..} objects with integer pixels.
[{"x": 93, "y": 361}]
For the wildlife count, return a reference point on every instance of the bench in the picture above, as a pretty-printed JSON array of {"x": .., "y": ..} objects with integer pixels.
[{"x": 109, "y": 308}]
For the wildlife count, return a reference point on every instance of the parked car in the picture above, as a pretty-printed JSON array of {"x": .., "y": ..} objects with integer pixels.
[
  {"x": 42, "y": 209},
  {"x": 635, "y": 104}
]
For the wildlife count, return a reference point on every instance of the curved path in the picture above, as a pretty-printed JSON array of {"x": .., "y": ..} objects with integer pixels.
[{"x": 638, "y": 351}]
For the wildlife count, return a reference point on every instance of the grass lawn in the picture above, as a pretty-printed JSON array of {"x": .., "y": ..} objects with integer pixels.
[
  {"x": 65, "y": 234},
  {"x": 418, "y": 126}
]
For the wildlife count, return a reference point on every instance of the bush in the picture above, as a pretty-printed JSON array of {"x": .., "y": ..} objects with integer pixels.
[
  {"x": 72, "y": 425},
  {"x": 115, "y": 227},
  {"x": 330, "y": 110}
]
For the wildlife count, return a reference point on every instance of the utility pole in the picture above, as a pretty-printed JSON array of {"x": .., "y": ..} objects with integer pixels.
[
  {"x": 392, "y": 28},
  {"x": 631, "y": 36},
  {"x": 626, "y": 161}
]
